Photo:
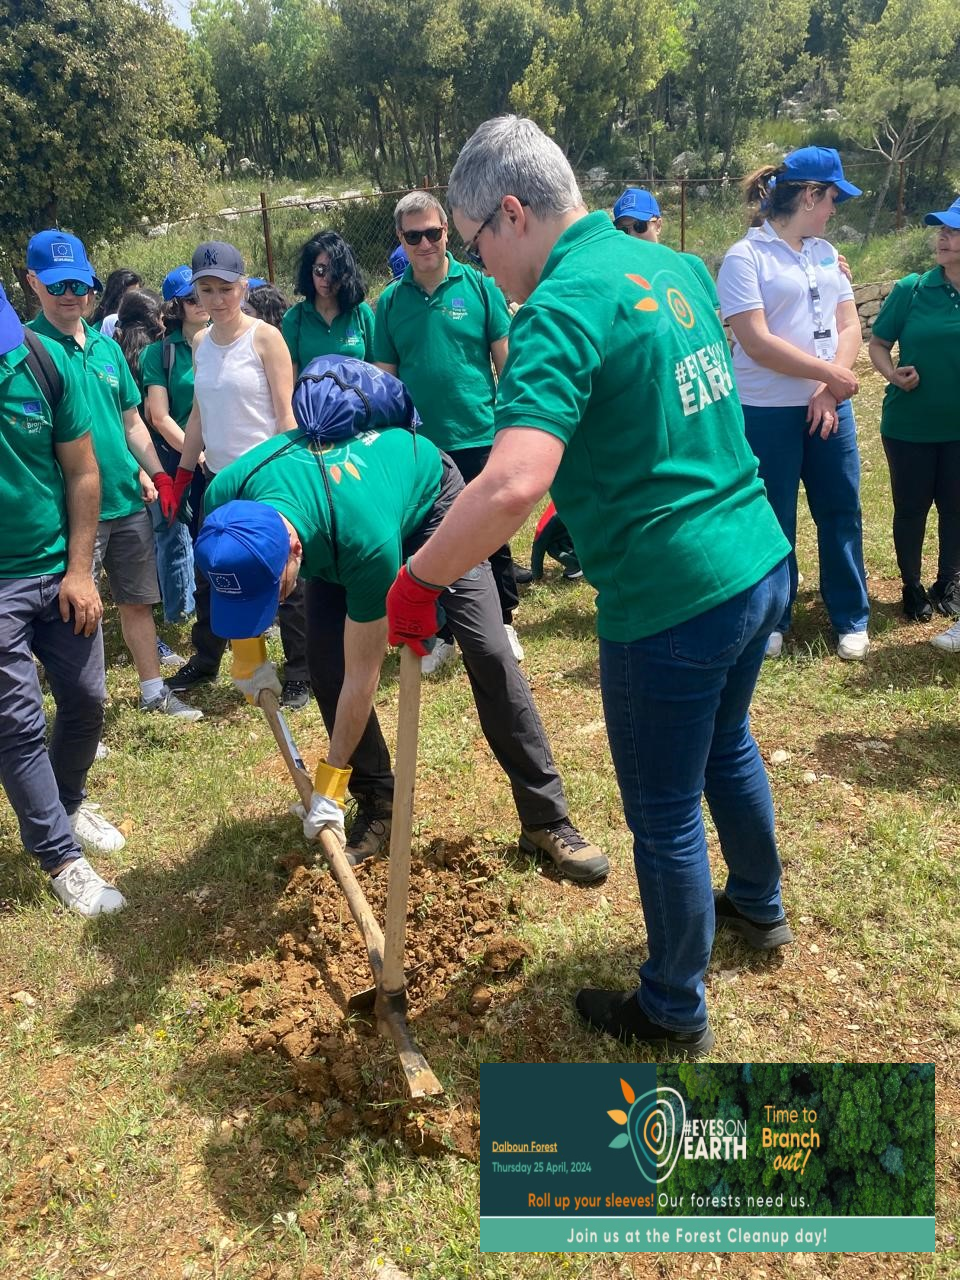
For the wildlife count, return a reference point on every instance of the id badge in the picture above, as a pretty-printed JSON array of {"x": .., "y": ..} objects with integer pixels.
[{"x": 823, "y": 344}]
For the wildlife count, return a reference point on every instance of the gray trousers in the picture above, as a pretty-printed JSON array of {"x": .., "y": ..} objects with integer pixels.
[
  {"x": 43, "y": 786},
  {"x": 510, "y": 721}
]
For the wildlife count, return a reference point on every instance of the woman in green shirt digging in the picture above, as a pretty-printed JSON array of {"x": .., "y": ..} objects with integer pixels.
[
  {"x": 920, "y": 425},
  {"x": 333, "y": 318}
]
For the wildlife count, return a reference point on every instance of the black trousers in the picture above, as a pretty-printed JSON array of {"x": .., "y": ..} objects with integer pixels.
[
  {"x": 510, "y": 721},
  {"x": 470, "y": 462},
  {"x": 923, "y": 475},
  {"x": 210, "y": 648}
]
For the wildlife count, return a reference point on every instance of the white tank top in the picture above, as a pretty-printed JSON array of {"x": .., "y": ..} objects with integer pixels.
[{"x": 236, "y": 407}]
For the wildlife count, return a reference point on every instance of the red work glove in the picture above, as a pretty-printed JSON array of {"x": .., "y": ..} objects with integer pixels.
[
  {"x": 412, "y": 612},
  {"x": 180, "y": 484},
  {"x": 165, "y": 495}
]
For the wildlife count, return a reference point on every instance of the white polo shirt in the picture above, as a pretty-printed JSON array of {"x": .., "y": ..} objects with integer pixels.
[{"x": 762, "y": 272}]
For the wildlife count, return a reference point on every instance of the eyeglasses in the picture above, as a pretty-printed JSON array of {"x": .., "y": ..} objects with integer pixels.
[
  {"x": 76, "y": 287},
  {"x": 321, "y": 272},
  {"x": 471, "y": 252},
  {"x": 633, "y": 227},
  {"x": 433, "y": 234}
]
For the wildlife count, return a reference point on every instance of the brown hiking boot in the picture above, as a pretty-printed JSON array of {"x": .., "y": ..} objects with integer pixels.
[
  {"x": 369, "y": 834},
  {"x": 573, "y": 856}
]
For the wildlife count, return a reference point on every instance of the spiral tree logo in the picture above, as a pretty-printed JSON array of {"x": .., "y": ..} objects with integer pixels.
[
  {"x": 658, "y": 1132},
  {"x": 655, "y": 1125}
]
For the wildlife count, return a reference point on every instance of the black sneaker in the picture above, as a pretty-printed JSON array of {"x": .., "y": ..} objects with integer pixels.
[
  {"x": 189, "y": 676},
  {"x": 946, "y": 597},
  {"x": 295, "y": 694},
  {"x": 521, "y": 575},
  {"x": 574, "y": 857},
  {"x": 916, "y": 602},
  {"x": 369, "y": 834},
  {"x": 762, "y": 937},
  {"x": 618, "y": 1014}
]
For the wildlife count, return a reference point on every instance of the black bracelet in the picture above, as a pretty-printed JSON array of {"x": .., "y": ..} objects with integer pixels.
[{"x": 430, "y": 586}]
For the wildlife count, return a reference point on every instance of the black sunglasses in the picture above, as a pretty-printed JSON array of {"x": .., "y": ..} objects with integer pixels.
[
  {"x": 634, "y": 225},
  {"x": 471, "y": 252},
  {"x": 76, "y": 287},
  {"x": 433, "y": 234},
  {"x": 321, "y": 272}
]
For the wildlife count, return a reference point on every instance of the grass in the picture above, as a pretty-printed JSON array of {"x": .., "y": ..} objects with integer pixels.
[{"x": 144, "y": 1134}]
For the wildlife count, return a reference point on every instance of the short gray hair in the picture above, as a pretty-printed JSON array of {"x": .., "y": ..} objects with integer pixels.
[
  {"x": 417, "y": 202},
  {"x": 512, "y": 156}
]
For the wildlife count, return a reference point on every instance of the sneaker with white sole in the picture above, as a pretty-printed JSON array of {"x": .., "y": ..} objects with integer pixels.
[
  {"x": 853, "y": 646},
  {"x": 93, "y": 831},
  {"x": 442, "y": 653},
  {"x": 167, "y": 656},
  {"x": 80, "y": 889},
  {"x": 516, "y": 648},
  {"x": 168, "y": 704},
  {"x": 949, "y": 641},
  {"x": 774, "y": 645}
]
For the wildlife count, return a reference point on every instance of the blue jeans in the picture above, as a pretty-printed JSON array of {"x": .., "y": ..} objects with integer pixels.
[
  {"x": 43, "y": 787},
  {"x": 174, "y": 566},
  {"x": 830, "y": 471},
  {"x": 677, "y": 711}
]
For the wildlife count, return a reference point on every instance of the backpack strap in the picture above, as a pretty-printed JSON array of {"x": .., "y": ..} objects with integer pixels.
[{"x": 41, "y": 365}]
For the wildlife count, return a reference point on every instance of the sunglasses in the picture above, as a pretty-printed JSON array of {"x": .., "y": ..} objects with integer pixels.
[
  {"x": 321, "y": 273},
  {"x": 433, "y": 234},
  {"x": 633, "y": 227},
  {"x": 76, "y": 287},
  {"x": 471, "y": 253}
]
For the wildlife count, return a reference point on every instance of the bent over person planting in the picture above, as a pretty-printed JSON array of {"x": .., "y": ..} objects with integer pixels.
[
  {"x": 618, "y": 397},
  {"x": 342, "y": 502}
]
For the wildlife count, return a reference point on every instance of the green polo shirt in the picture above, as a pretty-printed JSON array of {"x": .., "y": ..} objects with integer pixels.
[
  {"x": 178, "y": 382},
  {"x": 383, "y": 485},
  {"x": 308, "y": 335},
  {"x": 702, "y": 272},
  {"x": 922, "y": 315},
  {"x": 618, "y": 352},
  {"x": 33, "y": 512},
  {"x": 109, "y": 389},
  {"x": 440, "y": 344}
]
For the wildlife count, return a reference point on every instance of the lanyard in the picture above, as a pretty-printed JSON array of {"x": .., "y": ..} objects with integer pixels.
[{"x": 822, "y": 336}]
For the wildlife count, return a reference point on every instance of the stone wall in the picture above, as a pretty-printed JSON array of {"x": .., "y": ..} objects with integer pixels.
[{"x": 869, "y": 299}]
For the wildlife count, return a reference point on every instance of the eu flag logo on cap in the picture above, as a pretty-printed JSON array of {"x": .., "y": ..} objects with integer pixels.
[
  {"x": 228, "y": 582},
  {"x": 61, "y": 251}
]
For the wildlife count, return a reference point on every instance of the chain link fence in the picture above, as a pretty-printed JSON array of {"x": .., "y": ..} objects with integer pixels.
[{"x": 701, "y": 215}]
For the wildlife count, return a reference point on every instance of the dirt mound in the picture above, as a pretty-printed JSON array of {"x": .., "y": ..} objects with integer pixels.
[{"x": 294, "y": 1005}]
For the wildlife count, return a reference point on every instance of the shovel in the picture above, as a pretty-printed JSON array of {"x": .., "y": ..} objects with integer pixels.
[{"x": 385, "y": 953}]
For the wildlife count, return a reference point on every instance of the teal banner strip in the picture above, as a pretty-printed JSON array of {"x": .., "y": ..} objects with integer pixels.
[{"x": 717, "y": 1235}]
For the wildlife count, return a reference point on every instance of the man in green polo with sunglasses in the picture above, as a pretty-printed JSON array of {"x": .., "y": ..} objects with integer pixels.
[
  {"x": 442, "y": 330},
  {"x": 60, "y": 274}
]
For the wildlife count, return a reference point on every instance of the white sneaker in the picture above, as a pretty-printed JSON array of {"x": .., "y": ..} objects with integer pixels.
[
  {"x": 774, "y": 645},
  {"x": 949, "y": 641},
  {"x": 441, "y": 653},
  {"x": 94, "y": 832},
  {"x": 515, "y": 645},
  {"x": 853, "y": 645},
  {"x": 80, "y": 889}
]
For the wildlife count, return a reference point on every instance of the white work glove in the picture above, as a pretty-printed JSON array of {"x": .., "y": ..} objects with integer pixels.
[
  {"x": 262, "y": 677},
  {"x": 323, "y": 812}
]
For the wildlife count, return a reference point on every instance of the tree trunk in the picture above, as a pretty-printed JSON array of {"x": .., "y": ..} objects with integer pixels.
[
  {"x": 881, "y": 196},
  {"x": 944, "y": 152},
  {"x": 334, "y": 153},
  {"x": 437, "y": 142}
]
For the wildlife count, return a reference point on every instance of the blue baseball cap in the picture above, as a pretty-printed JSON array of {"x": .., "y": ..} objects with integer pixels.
[
  {"x": 256, "y": 282},
  {"x": 636, "y": 203},
  {"x": 55, "y": 255},
  {"x": 11, "y": 330},
  {"x": 177, "y": 283},
  {"x": 818, "y": 164},
  {"x": 243, "y": 548},
  {"x": 398, "y": 261},
  {"x": 948, "y": 218}
]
